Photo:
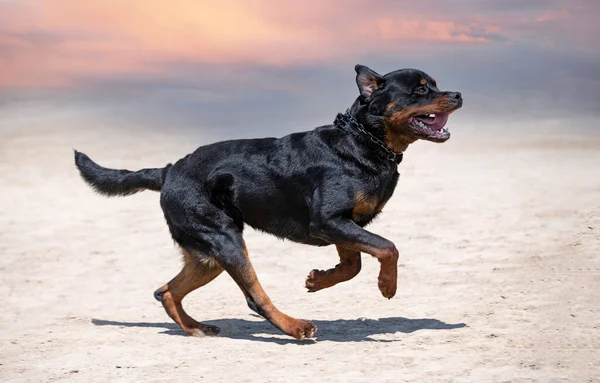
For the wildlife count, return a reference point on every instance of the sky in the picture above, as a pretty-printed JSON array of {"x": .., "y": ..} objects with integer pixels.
[{"x": 270, "y": 65}]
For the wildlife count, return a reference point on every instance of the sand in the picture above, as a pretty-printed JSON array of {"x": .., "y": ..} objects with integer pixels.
[{"x": 499, "y": 276}]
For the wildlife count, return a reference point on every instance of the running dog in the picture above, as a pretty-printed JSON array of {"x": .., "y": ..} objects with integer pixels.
[{"x": 320, "y": 187}]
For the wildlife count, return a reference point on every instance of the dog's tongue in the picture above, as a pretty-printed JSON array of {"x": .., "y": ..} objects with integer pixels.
[
  {"x": 436, "y": 123},
  {"x": 439, "y": 121}
]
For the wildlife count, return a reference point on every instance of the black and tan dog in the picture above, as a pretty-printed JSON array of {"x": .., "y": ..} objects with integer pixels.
[{"x": 319, "y": 187}]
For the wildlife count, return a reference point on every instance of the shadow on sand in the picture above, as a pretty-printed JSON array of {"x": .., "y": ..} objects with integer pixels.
[{"x": 341, "y": 330}]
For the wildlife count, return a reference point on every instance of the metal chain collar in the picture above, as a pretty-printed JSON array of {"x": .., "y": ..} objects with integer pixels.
[{"x": 389, "y": 153}]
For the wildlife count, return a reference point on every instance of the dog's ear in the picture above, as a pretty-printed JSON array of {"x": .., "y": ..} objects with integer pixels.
[{"x": 367, "y": 80}]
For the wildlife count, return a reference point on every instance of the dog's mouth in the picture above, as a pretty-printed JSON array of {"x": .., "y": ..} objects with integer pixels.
[{"x": 431, "y": 126}]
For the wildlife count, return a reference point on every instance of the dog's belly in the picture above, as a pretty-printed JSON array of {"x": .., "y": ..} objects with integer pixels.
[
  {"x": 292, "y": 233},
  {"x": 283, "y": 219}
]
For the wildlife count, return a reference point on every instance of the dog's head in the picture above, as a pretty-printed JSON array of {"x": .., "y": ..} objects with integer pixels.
[{"x": 407, "y": 104}]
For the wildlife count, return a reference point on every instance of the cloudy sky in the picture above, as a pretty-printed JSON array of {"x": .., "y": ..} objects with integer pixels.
[{"x": 183, "y": 62}]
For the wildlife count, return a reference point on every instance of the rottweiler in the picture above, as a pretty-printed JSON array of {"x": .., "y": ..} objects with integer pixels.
[{"x": 319, "y": 187}]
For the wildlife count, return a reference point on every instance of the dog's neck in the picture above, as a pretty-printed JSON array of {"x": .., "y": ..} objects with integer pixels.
[{"x": 375, "y": 125}]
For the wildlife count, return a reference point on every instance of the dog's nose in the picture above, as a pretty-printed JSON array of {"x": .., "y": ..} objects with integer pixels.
[{"x": 455, "y": 95}]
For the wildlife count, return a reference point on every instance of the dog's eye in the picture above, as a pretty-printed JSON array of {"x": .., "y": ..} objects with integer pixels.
[{"x": 421, "y": 90}]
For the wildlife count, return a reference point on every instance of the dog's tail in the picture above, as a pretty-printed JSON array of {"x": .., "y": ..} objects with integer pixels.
[{"x": 113, "y": 182}]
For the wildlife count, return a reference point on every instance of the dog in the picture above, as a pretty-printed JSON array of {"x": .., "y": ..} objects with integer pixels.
[{"x": 319, "y": 187}]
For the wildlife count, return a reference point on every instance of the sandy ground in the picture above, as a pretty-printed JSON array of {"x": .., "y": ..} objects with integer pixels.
[{"x": 499, "y": 277}]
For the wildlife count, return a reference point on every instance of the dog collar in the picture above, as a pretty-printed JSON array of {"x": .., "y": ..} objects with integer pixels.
[{"x": 343, "y": 120}]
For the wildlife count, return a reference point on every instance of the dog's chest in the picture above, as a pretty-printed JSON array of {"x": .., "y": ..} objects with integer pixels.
[
  {"x": 366, "y": 207},
  {"x": 369, "y": 202}
]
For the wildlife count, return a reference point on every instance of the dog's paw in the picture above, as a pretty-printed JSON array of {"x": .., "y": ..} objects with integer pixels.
[
  {"x": 387, "y": 285},
  {"x": 201, "y": 330},
  {"x": 303, "y": 330},
  {"x": 315, "y": 280}
]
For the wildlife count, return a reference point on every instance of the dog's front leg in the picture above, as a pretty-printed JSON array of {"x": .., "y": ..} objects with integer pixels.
[{"x": 347, "y": 234}]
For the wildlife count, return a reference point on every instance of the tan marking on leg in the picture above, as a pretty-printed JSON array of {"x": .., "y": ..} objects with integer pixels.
[
  {"x": 387, "y": 280},
  {"x": 197, "y": 271},
  {"x": 388, "y": 271},
  {"x": 348, "y": 268},
  {"x": 261, "y": 303}
]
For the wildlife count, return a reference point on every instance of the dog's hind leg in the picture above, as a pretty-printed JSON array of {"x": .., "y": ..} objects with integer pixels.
[
  {"x": 347, "y": 269},
  {"x": 233, "y": 256},
  {"x": 197, "y": 271}
]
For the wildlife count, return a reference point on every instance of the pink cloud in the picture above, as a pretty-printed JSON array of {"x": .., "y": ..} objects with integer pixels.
[
  {"x": 424, "y": 31},
  {"x": 51, "y": 43},
  {"x": 553, "y": 15}
]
